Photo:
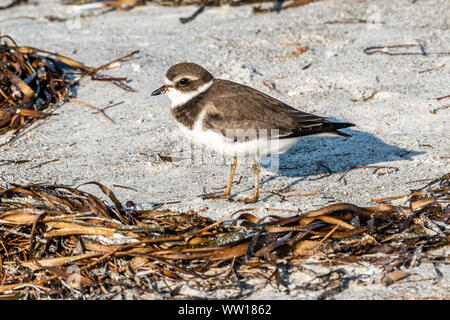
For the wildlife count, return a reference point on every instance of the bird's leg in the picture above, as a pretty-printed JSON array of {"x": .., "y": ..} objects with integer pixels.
[
  {"x": 231, "y": 177},
  {"x": 256, "y": 188},
  {"x": 227, "y": 193}
]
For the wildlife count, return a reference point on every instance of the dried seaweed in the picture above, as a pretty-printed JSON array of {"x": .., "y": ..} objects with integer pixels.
[
  {"x": 279, "y": 7},
  {"x": 13, "y": 3},
  {"x": 108, "y": 6},
  {"x": 98, "y": 7},
  {"x": 58, "y": 241},
  {"x": 32, "y": 80},
  {"x": 132, "y": 3},
  {"x": 434, "y": 111},
  {"x": 296, "y": 52},
  {"x": 387, "y": 50}
]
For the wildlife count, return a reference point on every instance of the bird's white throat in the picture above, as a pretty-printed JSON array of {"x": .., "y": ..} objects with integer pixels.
[{"x": 178, "y": 97}]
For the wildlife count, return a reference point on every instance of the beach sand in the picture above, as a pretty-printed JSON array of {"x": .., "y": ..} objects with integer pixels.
[{"x": 387, "y": 97}]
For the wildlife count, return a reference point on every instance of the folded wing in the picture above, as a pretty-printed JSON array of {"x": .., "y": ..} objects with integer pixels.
[{"x": 237, "y": 107}]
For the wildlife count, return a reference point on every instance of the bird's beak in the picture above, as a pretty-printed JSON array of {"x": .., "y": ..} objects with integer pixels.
[{"x": 158, "y": 91}]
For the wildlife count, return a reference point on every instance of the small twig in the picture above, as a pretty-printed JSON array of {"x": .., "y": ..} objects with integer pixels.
[
  {"x": 113, "y": 105},
  {"x": 270, "y": 85},
  {"x": 113, "y": 61},
  {"x": 440, "y": 98},
  {"x": 12, "y": 4},
  {"x": 236, "y": 182},
  {"x": 408, "y": 195},
  {"x": 170, "y": 158},
  {"x": 26, "y": 235},
  {"x": 377, "y": 168},
  {"x": 17, "y": 18},
  {"x": 302, "y": 195},
  {"x": 439, "y": 108},
  {"x": 109, "y": 106},
  {"x": 277, "y": 8},
  {"x": 282, "y": 210},
  {"x": 159, "y": 205},
  {"x": 342, "y": 177},
  {"x": 195, "y": 14},
  {"x": 44, "y": 163},
  {"x": 123, "y": 187},
  {"x": 296, "y": 52},
  {"x": 290, "y": 44},
  {"x": 328, "y": 234},
  {"x": 351, "y": 21},
  {"x": 365, "y": 98},
  {"x": 93, "y": 108},
  {"x": 109, "y": 78},
  {"x": 379, "y": 49},
  {"x": 432, "y": 69},
  {"x": 320, "y": 164},
  {"x": 371, "y": 96},
  {"x": 423, "y": 297},
  {"x": 33, "y": 229},
  {"x": 421, "y": 180},
  {"x": 123, "y": 86},
  {"x": 57, "y": 19},
  {"x": 15, "y": 161}
]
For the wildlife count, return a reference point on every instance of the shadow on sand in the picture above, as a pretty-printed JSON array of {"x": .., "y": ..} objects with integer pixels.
[{"x": 322, "y": 156}]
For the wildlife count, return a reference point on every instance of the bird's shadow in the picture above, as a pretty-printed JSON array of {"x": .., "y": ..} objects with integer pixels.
[{"x": 318, "y": 157}]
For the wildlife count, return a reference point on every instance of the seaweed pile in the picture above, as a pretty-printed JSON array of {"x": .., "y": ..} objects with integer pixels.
[
  {"x": 60, "y": 242},
  {"x": 32, "y": 80},
  {"x": 28, "y": 84}
]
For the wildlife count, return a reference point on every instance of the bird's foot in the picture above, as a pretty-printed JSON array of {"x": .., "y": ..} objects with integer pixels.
[
  {"x": 253, "y": 199},
  {"x": 216, "y": 196}
]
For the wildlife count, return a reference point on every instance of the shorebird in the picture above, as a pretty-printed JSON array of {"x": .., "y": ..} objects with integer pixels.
[{"x": 237, "y": 120}]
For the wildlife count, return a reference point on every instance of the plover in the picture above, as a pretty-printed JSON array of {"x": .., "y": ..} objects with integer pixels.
[{"x": 237, "y": 120}]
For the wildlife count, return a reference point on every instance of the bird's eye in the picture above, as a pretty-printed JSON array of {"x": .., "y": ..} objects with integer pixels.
[{"x": 184, "y": 82}]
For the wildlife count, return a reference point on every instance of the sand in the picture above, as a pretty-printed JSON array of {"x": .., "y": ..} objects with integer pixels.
[{"x": 394, "y": 126}]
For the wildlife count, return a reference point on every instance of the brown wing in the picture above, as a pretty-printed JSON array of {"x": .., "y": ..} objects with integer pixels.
[{"x": 234, "y": 106}]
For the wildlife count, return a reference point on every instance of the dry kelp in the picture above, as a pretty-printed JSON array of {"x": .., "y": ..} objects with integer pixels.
[
  {"x": 122, "y": 3},
  {"x": 59, "y": 242},
  {"x": 97, "y": 7},
  {"x": 12, "y": 4},
  {"x": 108, "y": 6},
  {"x": 32, "y": 79}
]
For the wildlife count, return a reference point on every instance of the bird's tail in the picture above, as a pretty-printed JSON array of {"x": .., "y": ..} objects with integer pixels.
[{"x": 342, "y": 125}]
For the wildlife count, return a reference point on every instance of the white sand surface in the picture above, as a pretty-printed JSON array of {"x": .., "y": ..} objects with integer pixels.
[{"x": 393, "y": 128}]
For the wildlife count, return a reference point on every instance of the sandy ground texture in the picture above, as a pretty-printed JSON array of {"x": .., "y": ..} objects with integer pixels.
[{"x": 388, "y": 97}]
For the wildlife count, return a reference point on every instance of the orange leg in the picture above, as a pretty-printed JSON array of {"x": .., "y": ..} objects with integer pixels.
[
  {"x": 226, "y": 195},
  {"x": 256, "y": 188}
]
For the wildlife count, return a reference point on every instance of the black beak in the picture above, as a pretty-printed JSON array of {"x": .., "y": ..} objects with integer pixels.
[{"x": 158, "y": 91}]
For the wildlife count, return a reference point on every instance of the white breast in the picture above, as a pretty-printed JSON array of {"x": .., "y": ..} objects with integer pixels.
[{"x": 216, "y": 141}]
